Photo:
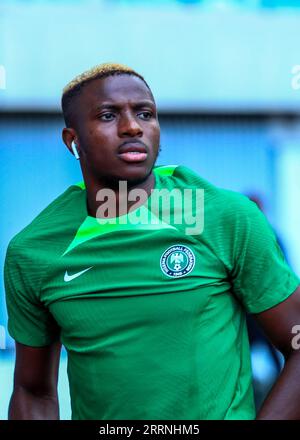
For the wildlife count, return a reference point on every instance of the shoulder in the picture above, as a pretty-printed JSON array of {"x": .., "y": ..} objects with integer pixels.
[
  {"x": 49, "y": 227},
  {"x": 223, "y": 201}
]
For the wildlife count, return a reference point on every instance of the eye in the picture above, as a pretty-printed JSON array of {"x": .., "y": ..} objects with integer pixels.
[
  {"x": 145, "y": 115},
  {"x": 108, "y": 116}
]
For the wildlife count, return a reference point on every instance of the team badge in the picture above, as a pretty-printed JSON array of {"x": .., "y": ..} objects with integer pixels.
[{"x": 177, "y": 261}]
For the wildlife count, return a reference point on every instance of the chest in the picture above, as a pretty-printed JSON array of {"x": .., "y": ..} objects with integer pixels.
[{"x": 127, "y": 264}]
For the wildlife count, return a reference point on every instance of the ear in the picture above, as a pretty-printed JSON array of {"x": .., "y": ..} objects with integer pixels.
[{"x": 69, "y": 135}]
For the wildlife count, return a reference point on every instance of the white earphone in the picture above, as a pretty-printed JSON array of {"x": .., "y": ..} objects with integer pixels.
[{"x": 74, "y": 149}]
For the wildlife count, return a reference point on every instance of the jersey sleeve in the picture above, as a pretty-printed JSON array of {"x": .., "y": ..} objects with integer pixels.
[
  {"x": 260, "y": 274},
  {"x": 29, "y": 321}
]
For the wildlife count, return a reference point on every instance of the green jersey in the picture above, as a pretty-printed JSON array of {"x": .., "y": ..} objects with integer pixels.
[{"x": 152, "y": 317}]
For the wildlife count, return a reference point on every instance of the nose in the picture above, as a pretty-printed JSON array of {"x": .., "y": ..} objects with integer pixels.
[{"x": 129, "y": 126}]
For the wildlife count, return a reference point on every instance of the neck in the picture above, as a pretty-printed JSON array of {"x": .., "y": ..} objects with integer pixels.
[{"x": 106, "y": 200}]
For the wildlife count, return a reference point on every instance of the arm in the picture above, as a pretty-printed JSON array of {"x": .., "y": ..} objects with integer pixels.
[
  {"x": 283, "y": 401},
  {"x": 34, "y": 395}
]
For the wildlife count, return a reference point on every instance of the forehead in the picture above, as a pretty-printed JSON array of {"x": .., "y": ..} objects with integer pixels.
[{"x": 117, "y": 89}]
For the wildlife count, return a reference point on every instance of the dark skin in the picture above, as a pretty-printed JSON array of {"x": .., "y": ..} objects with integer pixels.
[
  {"x": 35, "y": 383},
  {"x": 113, "y": 111},
  {"x": 282, "y": 403},
  {"x": 99, "y": 134}
]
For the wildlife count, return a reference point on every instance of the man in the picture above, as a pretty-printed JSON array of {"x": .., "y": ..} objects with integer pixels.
[{"x": 152, "y": 317}]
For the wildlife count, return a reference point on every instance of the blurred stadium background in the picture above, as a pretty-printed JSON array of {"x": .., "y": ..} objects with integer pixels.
[{"x": 226, "y": 77}]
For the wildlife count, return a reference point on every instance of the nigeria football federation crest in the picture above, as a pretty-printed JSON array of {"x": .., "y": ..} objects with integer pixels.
[{"x": 177, "y": 261}]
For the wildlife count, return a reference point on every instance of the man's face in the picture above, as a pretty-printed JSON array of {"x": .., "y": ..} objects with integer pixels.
[{"x": 118, "y": 130}]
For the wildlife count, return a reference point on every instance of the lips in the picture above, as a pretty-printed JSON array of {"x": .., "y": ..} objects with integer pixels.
[{"x": 133, "y": 152}]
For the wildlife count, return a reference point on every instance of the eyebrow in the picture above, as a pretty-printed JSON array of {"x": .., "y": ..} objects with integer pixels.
[{"x": 114, "y": 106}]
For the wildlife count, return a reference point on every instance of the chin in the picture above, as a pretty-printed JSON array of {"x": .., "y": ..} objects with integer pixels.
[
  {"x": 136, "y": 172},
  {"x": 137, "y": 178},
  {"x": 133, "y": 176}
]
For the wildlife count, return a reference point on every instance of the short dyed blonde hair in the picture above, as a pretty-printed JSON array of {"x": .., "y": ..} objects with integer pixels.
[{"x": 100, "y": 71}]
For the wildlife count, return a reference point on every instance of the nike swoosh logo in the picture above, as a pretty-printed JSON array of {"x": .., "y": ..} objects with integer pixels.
[{"x": 68, "y": 278}]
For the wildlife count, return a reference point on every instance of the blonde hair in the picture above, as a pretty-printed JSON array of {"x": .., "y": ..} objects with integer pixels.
[{"x": 100, "y": 71}]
